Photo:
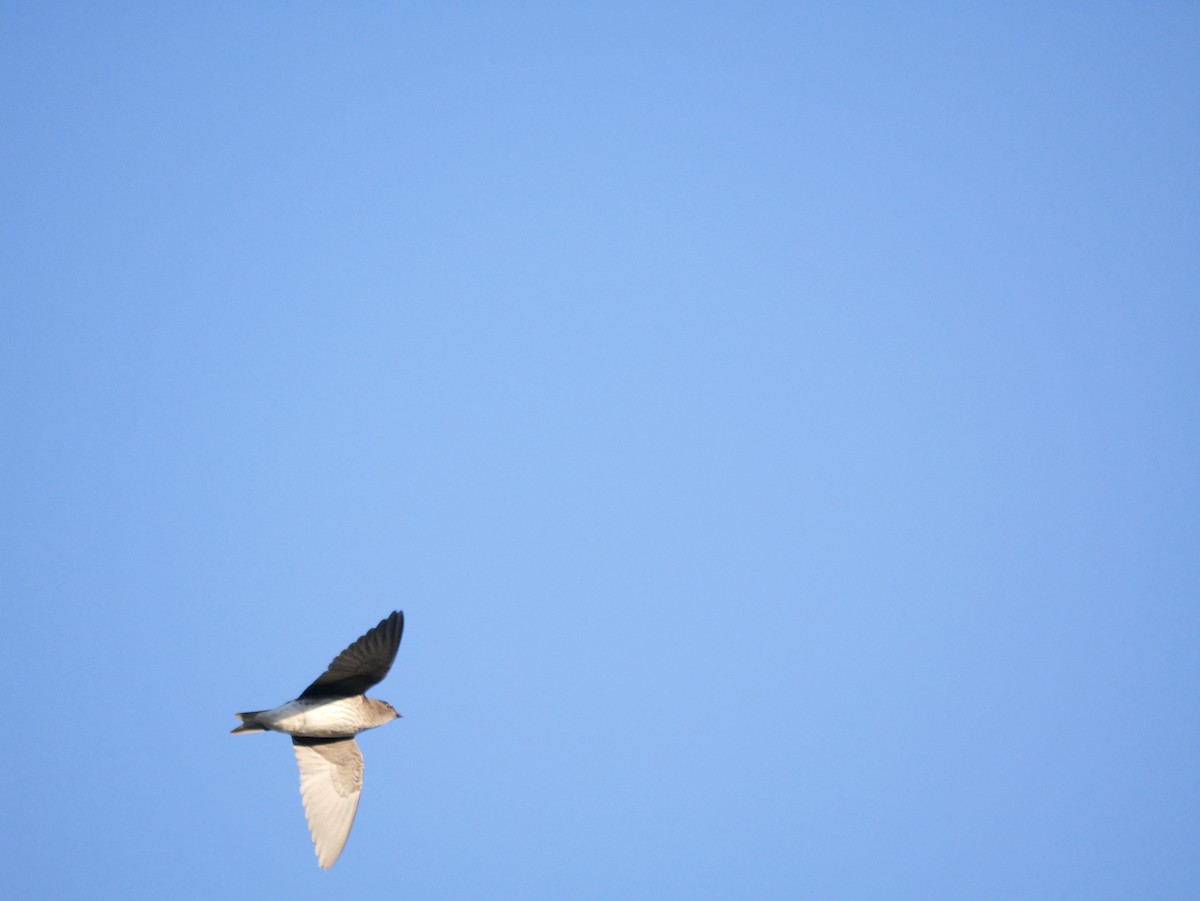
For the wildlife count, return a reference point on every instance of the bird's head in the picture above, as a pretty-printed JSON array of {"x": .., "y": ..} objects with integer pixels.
[{"x": 385, "y": 710}]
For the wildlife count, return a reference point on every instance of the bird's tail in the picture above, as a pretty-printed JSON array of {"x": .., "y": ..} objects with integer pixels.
[{"x": 248, "y": 722}]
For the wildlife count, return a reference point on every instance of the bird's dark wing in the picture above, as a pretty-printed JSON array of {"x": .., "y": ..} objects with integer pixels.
[{"x": 362, "y": 664}]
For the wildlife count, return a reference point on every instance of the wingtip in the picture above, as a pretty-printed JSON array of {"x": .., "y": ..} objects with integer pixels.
[{"x": 395, "y": 619}]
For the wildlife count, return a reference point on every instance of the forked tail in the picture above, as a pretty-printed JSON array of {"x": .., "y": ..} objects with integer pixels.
[{"x": 248, "y": 723}]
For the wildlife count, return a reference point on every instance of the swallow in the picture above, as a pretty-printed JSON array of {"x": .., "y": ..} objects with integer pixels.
[{"x": 323, "y": 722}]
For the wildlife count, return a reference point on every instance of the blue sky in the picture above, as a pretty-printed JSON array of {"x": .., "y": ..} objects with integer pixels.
[{"x": 778, "y": 422}]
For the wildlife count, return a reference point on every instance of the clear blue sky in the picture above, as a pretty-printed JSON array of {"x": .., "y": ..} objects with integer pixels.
[{"x": 779, "y": 422}]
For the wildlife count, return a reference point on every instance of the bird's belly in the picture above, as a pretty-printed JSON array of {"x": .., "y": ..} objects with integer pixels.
[{"x": 317, "y": 720}]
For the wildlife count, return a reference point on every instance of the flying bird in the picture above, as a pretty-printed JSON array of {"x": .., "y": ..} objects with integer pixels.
[{"x": 323, "y": 722}]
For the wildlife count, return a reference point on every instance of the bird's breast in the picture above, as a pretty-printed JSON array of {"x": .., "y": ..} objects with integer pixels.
[{"x": 317, "y": 718}]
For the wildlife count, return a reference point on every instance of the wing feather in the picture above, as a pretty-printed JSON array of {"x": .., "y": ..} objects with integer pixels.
[
  {"x": 330, "y": 782},
  {"x": 362, "y": 664}
]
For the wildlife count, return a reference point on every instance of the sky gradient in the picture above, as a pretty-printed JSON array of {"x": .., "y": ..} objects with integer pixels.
[{"x": 778, "y": 422}]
